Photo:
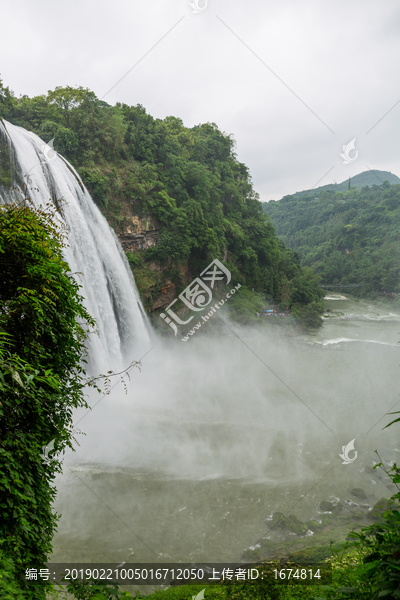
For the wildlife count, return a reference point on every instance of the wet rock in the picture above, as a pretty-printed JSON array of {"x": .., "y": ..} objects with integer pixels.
[
  {"x": 278, "y": 519},
  {"x": 343, "y": 519},
  {"x": 380, "y": 507},
  {"x": 313, "y": 525},
  {"x": 326, "y": 520},
  {"x": 297, "y": 526},
  {"x": 289, "y": 524},
  {"x": 326, "y": 506},
  {"x": 358, "y": 493},
  {"x": 338, "y": 508},
  {"x": 357, "y": 516}
]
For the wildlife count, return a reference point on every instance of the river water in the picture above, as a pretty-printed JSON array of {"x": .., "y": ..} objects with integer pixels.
[{"x": 216, "y": 434}]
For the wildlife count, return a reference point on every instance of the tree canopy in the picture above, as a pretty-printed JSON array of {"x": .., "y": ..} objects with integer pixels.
[
  {"x": 347, "y": 237},
  {"x": 42, "y": 351},
  {"x": 188, "y": 179}
]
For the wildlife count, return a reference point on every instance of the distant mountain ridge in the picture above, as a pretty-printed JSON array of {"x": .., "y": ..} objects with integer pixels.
[
  {"x": 347, "y": 236},
  {"x": 366, "y": 178}
]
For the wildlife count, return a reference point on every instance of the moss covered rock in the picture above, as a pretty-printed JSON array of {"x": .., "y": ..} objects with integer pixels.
[
  {"x": 358, "y": 493},
  {"x": 289, "y": 524},
  {"x": 326, "y": 506},
  {"x": 380, "y": 507}
]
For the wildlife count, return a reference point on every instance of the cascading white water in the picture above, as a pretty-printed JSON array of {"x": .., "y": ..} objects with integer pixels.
[{"x": 94, "y": 253}]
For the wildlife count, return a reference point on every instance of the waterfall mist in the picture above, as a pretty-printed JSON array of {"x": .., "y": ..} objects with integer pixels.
[{"x": 208, "y": 442}]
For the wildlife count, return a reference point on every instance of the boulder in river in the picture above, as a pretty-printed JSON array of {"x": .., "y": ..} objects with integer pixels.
[
  {"x": 289, "y": 524},
  {"x": 358, "y": 493},
  {"x": 380, "y": 507},
  {"x": 314, "y": 525},
  {"x": 329, "y": 507},
  {"x": 326, "y": 506}
]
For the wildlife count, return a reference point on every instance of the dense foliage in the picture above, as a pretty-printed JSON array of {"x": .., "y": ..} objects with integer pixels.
[
  {"x": 41, "y": 381},
  {"x": 187, "y": 179},
  {"x": 348, "y": 238}
]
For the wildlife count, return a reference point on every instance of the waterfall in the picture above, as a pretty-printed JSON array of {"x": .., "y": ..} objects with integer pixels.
[{"x": 94, "y": 255}]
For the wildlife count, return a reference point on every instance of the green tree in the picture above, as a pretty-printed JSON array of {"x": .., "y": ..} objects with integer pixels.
[
  {"x": 42, "y": 346},
  {"x": 67, "y": 98},
  {"x": 7, "y": 101}
]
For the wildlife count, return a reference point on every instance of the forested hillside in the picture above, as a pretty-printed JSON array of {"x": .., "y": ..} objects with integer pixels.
[
  {"x": 181, "y": 189},
  {"x": 348, "y": 238}
]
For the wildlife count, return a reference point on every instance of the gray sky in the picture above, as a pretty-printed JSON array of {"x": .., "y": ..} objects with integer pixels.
[{"x": 293, "y": 81}]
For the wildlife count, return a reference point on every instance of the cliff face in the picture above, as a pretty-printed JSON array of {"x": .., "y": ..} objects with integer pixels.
[
  {"x": 164, "y": 290},
  {"x": 139, "y": 233},
  {"x": 152, "y": 278}
]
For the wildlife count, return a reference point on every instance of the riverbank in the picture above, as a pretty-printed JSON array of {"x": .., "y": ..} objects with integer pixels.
[{"x": 311, "y": 541}]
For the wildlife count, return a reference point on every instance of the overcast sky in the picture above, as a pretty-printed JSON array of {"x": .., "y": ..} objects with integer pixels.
[{"x": 292, "y": 80}]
